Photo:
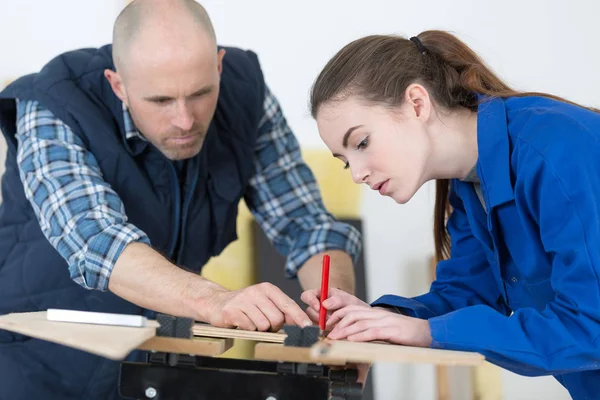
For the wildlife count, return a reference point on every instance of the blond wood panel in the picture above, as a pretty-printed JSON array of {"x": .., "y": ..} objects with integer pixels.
[
  {"x": 337, "y": 352},
  {"x": 211, "y": 331},
  {"x": 380, "y": 352},
  {"x": 208, "y": 347},
  {"x": 279, "y": 352},
  {"x": 114, "y": 342}
]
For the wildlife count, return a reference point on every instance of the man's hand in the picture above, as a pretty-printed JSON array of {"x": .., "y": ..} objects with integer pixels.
[
  {"x": 259, "y": 307},
  {"x": 144, "y": 277},
  {"x": 336, "y": 300}
]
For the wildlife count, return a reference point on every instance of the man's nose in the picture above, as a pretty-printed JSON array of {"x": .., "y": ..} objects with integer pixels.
[{"x": 184, "y": 119}]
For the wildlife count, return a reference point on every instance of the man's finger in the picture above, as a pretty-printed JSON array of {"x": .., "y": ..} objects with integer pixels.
[
  {"x": 260, "y": 321},
  {"x": 289, "y": 320},
  {"x": 289, "y": 307},
  {"x": 269, "y": 309},
  {"x": 241, "y": 320}
]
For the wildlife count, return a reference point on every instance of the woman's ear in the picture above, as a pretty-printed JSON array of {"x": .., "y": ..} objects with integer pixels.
[{"x": 418, "y": 101}]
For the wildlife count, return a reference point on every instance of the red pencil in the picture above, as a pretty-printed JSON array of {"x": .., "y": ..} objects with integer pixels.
[{"x": 324, "y": 290}]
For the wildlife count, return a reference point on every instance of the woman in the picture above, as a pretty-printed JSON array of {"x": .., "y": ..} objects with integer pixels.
[{"x": 519, "y": 175}]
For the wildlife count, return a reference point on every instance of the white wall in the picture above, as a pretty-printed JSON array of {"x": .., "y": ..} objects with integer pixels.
[
  {"x": 535, "y": 45},
  {"x": 34, "y": 31}
]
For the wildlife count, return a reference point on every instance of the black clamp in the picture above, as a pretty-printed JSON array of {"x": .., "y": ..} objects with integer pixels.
[
  {"x": 173, "y": 327},
  {"x": 311, "y": 370},
  {"x": 343, "y": 384},
  {"x": 301, "y": 337},
  {"x": 176, "y": 327}
]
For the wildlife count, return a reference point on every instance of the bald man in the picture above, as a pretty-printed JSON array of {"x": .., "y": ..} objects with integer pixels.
[{"x": 125, "y": 168}]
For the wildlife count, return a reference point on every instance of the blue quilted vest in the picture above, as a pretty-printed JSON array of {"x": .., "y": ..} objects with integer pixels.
[{"x": 187, "y": 223}]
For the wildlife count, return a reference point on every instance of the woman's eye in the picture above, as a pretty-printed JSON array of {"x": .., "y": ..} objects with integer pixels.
[
  {"x": 364, "y": 144},
  {"x": 347, "y": 165}
]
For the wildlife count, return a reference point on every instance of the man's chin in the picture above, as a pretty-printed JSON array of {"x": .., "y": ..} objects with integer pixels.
[{"x": 177, "y": 153}]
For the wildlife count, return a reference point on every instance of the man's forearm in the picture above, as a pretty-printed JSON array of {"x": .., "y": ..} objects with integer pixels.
[
  {"x": 341, "y": 272},
  {"x": 144, "y": 277}
]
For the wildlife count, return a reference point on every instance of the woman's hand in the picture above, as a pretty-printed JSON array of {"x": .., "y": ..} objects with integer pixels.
[
  {"x": 337, "y": 299},
  {"x": 361, "y": 324}
]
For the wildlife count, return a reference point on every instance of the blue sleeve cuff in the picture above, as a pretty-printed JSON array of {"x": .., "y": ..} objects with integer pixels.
[{"x": 407, "y": 306}]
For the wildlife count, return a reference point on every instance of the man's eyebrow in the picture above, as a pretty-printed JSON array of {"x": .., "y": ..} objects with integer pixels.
[
  {"x": 203, "y": 91},
  {"x": 200, "y": 92}
]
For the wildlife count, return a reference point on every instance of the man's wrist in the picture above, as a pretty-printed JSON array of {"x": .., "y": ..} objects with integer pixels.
[{"x": 198, "y": 297}]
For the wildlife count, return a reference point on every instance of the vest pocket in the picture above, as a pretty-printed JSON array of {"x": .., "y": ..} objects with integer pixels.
[
  {"x": 227, "y": 230},
  {"x": 225, "y": 191}
]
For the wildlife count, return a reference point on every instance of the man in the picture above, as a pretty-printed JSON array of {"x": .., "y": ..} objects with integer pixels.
[{"x": 124, "y": 178}]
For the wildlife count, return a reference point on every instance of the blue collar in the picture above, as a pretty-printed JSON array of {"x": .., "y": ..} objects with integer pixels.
[{"x": 493, "y": 164}]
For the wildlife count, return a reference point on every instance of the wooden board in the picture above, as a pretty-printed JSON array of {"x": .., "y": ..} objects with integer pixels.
[
  {"x": 114, "y": 342},
  {"x": 279, "y": 352},
  {"x": 211, "y": 331},
  {"x": 209, "y": 347},
  {"x": 383, "y": 352},
  {"x": 333, "y": 352}
]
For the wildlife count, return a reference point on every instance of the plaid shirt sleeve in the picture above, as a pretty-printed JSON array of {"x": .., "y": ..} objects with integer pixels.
[
  {"x": 285, "y": 198},
  {"x": 80, "y": 215}
]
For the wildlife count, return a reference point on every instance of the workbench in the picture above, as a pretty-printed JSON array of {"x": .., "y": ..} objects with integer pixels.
[{"x": 183, "y": 358}]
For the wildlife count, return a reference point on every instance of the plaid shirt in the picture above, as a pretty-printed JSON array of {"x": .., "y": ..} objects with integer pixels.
[{"x": 85, "y": 221}]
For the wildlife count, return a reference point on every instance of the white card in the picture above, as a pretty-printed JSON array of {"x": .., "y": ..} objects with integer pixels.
[{"x": 89, "y": 317}]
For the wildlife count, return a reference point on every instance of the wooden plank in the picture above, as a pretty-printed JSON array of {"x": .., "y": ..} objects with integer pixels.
[
  {"x": 214, "y": 332},
  {"x": 279, "y": 352},
  {"x": 114, "y": 342},
  {"x": 209, "y": 347},
  {"x": 442, "y": 380},
  {"x": 380, "y": 352}
]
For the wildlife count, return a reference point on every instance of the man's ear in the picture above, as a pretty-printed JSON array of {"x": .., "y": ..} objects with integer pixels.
[
  {"x": 220, "y": 56},
  {"x": 116, "y": 83}
]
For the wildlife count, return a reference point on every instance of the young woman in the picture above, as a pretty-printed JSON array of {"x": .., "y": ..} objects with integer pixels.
[{"x": 519, "y": 176}]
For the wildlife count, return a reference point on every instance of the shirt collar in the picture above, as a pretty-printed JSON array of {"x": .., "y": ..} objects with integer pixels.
[
  {"x": 131, "y": 131},
  {"x": 133, "y": 140},
  {"x": 493, "y": 164}
]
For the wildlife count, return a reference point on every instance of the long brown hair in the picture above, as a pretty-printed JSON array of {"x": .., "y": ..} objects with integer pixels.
[{"x": 379, "y": 68}]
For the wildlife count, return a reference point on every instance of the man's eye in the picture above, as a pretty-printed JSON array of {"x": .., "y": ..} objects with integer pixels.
[{"x": 160, "y": 101}]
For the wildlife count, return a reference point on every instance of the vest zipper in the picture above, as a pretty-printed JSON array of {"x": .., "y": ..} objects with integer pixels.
[
  {"x": 175, "y": 235},
  {"x": 186, "y": 205}
]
